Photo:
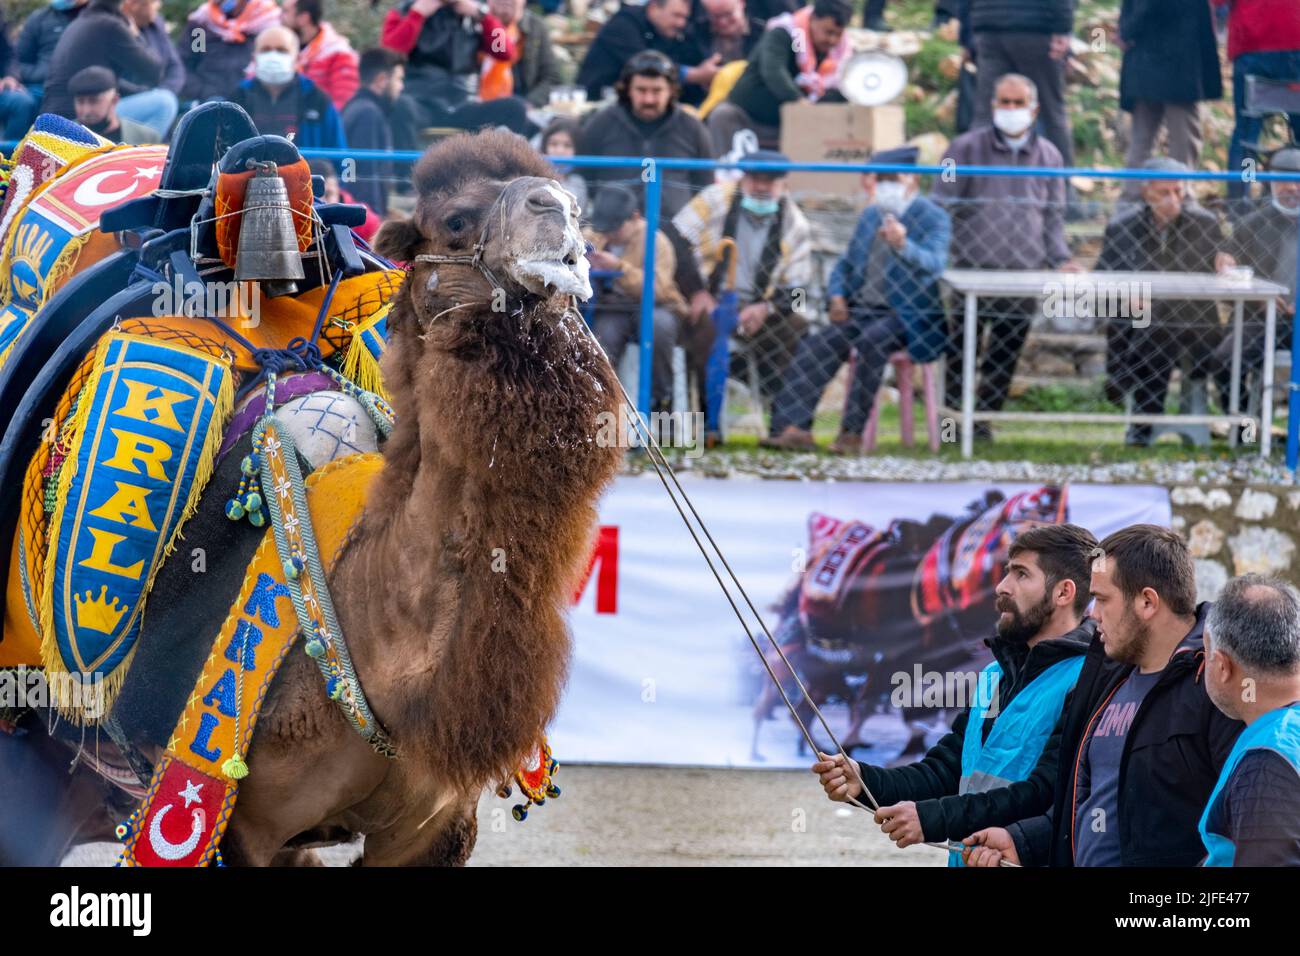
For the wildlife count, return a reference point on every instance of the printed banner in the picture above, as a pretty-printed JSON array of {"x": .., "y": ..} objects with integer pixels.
[{"x": 880, "y": 594}]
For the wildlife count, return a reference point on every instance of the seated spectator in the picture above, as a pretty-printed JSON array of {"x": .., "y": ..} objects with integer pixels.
[
  {"x": 797, "y": 58},
  {"x": 1148, "y": 340},
  {"x": 326, "y": 57},
  {"x": 536, "y": 69},
  {"x": 442, "y": 41},
  {"x": 153, "y": 31},
  {"x": 23, "y": 86},
  {"x": 773, "y": 248},
  {"x": 334, "y": 192},
  {"x": 1263, "y": 41},
  {"x": 760, "y": 10},
  {"x": 618, "y": 238},
  {"x": 283, "y": 102},
  {"x": 559, "y": 140},
  {"x": 647, "y": 121},
  {"x": 367, "y": 124},
  {"x": 1265, "y": 240},
  {"x": 1002, "y": 222},
  {"x": 95, "y": 97},
  {"x": 884, "y": 296},
  {"x": 726, "y": 30},
  {"x": 658, "y": 25},
  {"x": 103, "y": 36},
  {"x": 217, "y": 44}
]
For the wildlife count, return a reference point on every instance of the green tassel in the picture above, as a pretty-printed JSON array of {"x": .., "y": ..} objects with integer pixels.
[
  {"x": 234, "y": 510},
  {"x": 315, "y": 648},
  {"x": 253, "y": 502},
  {"x": 257, "y": 518},
  {"x": 235, "y": 768}
]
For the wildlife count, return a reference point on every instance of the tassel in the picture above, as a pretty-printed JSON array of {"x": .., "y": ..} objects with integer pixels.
[{"x": 235, "y": 768}]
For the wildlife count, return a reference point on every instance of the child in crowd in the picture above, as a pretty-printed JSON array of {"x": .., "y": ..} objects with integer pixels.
[{"x": 560, "y": 139}]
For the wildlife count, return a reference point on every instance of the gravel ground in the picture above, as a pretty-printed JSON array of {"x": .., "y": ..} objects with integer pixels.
[
  {"x": 652, "y": 816},
  {"x": 822, "y": 467}
]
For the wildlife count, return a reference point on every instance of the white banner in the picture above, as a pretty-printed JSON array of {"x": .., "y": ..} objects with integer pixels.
[{"x": 662, "y": 672}]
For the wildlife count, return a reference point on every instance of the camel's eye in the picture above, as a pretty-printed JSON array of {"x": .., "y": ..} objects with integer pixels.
[{"x": 456, "y": 223}]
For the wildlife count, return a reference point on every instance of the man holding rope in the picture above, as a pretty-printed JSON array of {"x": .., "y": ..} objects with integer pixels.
[
  {"x": 1141, "y": 744},
  {"x": 998, "y": 762}
]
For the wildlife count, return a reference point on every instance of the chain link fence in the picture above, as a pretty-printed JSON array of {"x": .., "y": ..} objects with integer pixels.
[{"x": 981, "y": 306}]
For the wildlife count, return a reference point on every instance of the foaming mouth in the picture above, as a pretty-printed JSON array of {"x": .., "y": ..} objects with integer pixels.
[{"x": 569, "y": 274}]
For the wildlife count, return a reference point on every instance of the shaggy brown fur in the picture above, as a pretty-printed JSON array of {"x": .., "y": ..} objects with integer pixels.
[
  {"x": 453, "y": 590},
  {"x": 454, "y": 587}
]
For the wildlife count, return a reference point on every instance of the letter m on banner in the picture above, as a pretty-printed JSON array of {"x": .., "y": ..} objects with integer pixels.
[{"x": 605, "y": 553}]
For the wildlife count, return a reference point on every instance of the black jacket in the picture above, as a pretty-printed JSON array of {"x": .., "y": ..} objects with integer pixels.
[
  {"x": 1174, "y": 750},
  {"x": 613, "y": 131},
  {"x": 99, "y": 37},
  {"x": 37, "y": 40},
  {"x": 1257, "y": 241},
  {"x": 1171, "y": 55},
  {"x": 932, "y": 782},
  {"x": 769, "y": 79},
  {"x": 1133, "y": 243},
  {"x": 366, "y": 125},
  {"x": 1021, "y": 16},
  {"x": 629, "y": 32}
]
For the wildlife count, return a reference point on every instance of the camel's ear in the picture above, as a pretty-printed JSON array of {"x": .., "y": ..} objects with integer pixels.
[{"x": 398, "y": 240}]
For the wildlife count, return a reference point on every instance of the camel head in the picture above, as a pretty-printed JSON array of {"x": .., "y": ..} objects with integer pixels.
[{"x": 492, "y": 196}]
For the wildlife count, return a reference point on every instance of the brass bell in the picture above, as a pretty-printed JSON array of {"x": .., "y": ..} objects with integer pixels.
[{"x": 268, "y": 242}]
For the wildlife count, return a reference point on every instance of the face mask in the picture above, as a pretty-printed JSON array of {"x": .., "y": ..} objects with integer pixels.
[
  {"x": 273, "y": 67},
  {"x": 760, "y": 206},
  {"x": 1013, "y": 122},
  {"x": 1286, "y": 210},
  {"x": 891, "y": 197},
  {"x": 63, "y": 4}
]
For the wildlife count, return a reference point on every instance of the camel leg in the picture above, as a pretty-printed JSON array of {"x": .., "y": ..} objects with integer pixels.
[
  {"x": 446, "y": 840},
  {"x": 46, "y": 809}
]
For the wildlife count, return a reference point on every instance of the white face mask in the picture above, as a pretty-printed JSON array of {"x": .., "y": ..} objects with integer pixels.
[
  {"x": 891, "y": 196},
  {"x": 1013, "y": 123},
  {"x": 1293, "y": 212},
  {"x": 273, "y": 67}
]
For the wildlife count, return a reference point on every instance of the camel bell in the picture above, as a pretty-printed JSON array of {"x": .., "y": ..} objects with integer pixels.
[{"x": 268, "y": 242}]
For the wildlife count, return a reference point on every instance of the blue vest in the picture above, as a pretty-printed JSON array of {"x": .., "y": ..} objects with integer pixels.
[
  {"x": 1019, "y": 732},
  {"x": 1278, "y": 731}
]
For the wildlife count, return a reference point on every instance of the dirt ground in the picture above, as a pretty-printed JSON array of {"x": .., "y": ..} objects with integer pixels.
[{"x": 651, "y": 816}]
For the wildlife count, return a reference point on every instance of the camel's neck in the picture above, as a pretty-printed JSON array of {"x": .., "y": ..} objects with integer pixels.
[{"x": 471, "y": 542}]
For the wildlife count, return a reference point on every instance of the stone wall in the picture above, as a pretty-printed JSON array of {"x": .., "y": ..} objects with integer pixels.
[{"x": 1236, "y": 529}]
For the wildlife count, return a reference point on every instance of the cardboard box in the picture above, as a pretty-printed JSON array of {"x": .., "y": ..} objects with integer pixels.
[{"x": 837, "y": 133}]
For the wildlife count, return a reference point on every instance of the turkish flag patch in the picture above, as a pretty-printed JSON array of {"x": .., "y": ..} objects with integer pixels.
[{"x": 182, "y": 815}]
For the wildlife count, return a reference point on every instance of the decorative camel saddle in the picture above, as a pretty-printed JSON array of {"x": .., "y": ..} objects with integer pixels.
[{"x": 189, "y": 340}]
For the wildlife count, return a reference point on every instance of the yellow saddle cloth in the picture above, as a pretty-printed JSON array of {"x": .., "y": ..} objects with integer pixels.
[{"x": 125, "y": 460}]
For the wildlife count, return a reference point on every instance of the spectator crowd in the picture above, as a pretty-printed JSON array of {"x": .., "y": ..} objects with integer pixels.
[{"x": 703, "y": 79}]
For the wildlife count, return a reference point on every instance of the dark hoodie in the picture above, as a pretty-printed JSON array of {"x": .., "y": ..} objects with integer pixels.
[
  {"x": 933, "y": 781},
  {"x": 1173, "y": 752}
]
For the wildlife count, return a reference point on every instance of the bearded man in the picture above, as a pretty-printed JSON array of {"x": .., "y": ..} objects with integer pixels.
[
  {"x": 1000, "y": 757},
  {"x": 1141, "y": 742}
]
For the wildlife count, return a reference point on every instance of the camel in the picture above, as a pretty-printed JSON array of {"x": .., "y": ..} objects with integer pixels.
[{"x": 452, "y": 589}]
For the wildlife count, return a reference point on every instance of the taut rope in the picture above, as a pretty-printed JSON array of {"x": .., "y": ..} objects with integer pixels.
[{"x": 661, "y": 465}]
